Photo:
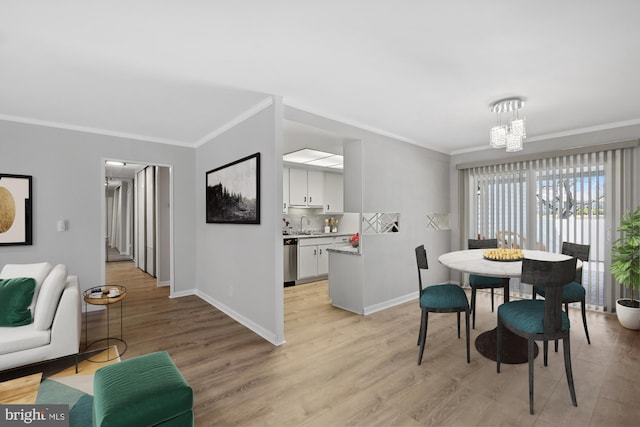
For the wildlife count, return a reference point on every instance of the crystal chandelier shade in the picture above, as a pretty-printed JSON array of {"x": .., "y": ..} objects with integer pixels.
[
  {"x": 508, "y": 136},
  {"x": 499, "y": 136}
]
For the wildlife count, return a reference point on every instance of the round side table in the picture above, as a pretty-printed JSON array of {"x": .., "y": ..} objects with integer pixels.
[{"x": 105, "y": 296}]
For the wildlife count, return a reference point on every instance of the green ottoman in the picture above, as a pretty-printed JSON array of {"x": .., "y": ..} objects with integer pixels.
[{"x": 146, "y": 390}]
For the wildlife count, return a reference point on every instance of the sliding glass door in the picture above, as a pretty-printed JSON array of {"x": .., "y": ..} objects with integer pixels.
[{"x": 538, "y": 204}]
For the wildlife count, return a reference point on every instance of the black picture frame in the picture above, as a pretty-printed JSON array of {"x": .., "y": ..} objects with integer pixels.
[
  {"x": 16, "y": 210},
  {"x": 233, "y": 192}
]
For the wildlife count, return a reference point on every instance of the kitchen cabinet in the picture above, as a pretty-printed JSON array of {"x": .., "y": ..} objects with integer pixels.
[
  {"x": 333, "y": 196},
  {"x": 285, "y": 190},
  {"x": 305, "y": 187},
  {"x": 313, "y": 257}
]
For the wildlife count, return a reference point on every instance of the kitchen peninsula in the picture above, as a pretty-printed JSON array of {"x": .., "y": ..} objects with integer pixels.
[{"x": 346, "y": 279}]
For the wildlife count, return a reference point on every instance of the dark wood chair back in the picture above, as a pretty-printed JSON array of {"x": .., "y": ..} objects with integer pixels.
[
  {"x": 423, "y": 264},
  {"x": 577, "y": 251},
  {"x": 482, "y": 243},
  {"x": 553, "y": 275}
]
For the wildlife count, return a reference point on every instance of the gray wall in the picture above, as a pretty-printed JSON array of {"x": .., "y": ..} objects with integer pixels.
[
  {"x": 163, "y": 181},
  {"x": 239, "y": 266},
  {"x": 68, "y": 183},
  {"x": 383, "y": 174},
  {"x": 401, "y": 177}
]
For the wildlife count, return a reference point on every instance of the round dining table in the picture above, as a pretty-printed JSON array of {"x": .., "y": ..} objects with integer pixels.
[{"x": 472, "y": 261}]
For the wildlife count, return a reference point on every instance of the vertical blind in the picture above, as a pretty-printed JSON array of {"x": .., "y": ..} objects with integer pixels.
[{"x": 538, "y": 204}]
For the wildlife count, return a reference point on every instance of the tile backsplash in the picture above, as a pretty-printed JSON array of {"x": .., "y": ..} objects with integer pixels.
[{"x": 347, "y": 222}]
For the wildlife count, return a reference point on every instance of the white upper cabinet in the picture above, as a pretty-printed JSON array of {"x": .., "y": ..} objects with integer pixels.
[
  {"x": 315, "y": 187},
  {"x": 297, "y": 187},
  {"x": 305, "y": 187},
  {"x": 333, "y": 193}
]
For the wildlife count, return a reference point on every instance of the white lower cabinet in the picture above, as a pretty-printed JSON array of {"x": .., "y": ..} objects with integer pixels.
[
  {"x": 323, "y": 259},
  {"x": 313, "y": 257}
]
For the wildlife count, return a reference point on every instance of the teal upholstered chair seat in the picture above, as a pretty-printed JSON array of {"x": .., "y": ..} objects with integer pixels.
[
  {"x": 572, "y": 291},
  {"x": 443, "y": 296},
  {"x": 147, "y": 390},
  {"x": 528, "y": 316},
  {"x": 488, "y": 281}
]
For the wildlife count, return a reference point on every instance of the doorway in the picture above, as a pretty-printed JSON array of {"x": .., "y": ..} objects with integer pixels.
[{"x": 138, "y": 217}]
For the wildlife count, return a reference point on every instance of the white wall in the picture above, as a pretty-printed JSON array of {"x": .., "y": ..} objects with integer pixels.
[
  {"x": 239, "y": 266},
  {"x": 68, "y": 183}
]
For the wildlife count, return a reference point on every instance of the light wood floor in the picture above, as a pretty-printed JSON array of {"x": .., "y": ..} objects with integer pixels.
[{"x": 339, "y": 369}]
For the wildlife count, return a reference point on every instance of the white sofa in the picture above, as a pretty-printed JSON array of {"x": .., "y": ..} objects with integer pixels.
[{"x": 56, "y": 310}]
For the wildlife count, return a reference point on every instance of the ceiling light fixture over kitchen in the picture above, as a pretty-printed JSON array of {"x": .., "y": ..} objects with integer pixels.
[
  {"x": 308, "y": 156},
  {"x": 508, "y": 136}
]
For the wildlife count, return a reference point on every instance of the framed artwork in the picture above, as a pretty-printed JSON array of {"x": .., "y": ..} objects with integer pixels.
[
  {"x": 233, "y": 192},
  {"x": 15, "y": 210}
]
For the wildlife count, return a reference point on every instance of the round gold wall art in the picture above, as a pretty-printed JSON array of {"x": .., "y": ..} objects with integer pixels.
[{"x": 7, "y": 210}]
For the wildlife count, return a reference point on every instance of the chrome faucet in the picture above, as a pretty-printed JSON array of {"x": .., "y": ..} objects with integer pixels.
[{"x": 308, "y": 222}]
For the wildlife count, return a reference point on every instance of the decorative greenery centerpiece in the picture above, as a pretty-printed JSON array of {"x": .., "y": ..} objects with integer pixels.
[{"x": 625, "y": 257}]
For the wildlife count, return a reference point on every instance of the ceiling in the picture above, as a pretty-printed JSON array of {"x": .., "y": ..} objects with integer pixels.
[
  {"x": 115, "y": 174},
  {"x": 423, "y": 71}
]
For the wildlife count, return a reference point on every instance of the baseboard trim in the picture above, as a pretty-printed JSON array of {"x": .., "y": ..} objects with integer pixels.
[
  {"x": 248, "y": 323},
  {"x": 183, "y": 293},
  {"x": 390, "y": 303}
]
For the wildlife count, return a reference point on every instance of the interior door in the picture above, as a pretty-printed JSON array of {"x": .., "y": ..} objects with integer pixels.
[
  {"x": 140, "y": 220},
  {"x": 150, "y": 221}
]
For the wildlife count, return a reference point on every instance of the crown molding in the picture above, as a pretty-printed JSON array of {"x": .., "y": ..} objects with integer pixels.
[
  {"x": 67, "y": 126},
  {"x": 265, "y": 103}
]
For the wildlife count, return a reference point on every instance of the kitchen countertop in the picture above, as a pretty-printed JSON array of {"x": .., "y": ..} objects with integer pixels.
[
  {"x": 349, "y": 250},
  {"x": 318, "y": 234}
]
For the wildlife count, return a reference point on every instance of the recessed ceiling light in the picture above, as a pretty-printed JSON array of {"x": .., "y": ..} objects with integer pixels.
[
  {"x": 114, "y": 163},
  {"x": 308, "y": 156},
  {"x": 327, "y": 161}
]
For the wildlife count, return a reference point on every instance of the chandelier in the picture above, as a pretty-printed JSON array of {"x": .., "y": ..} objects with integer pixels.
[{"x": 508, "y": 136}]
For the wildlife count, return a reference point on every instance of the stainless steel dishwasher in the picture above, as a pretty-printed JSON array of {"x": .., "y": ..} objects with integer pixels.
[{"x": 290, "y": 255}]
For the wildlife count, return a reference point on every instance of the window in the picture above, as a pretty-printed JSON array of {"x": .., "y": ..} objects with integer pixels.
[
  {"x": 538, "y": 204},
  {"x": 570, "y": 207}
]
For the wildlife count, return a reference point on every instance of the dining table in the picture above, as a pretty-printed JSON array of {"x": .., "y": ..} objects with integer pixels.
[{"x": 472, "y": 261}]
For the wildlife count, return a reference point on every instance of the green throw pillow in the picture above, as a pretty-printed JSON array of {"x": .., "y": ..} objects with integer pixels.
[{"x": 15, "y": 298}]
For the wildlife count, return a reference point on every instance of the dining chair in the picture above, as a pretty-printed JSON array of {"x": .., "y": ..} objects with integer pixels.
[
  {"x": 540, "y": 320},
  {"x": 444, "y": 298},
  {"x": 511, "y": 240},
  {"x": 574, "y": 291},
  {"x": 483, "y": 282}
]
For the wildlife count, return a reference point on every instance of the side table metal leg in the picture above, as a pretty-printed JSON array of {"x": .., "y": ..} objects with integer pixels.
[
  {"x": 121, "y": 321},
  {"x": 86, "y": 337},
  {"x": 108, "y": 334}
]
